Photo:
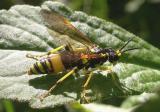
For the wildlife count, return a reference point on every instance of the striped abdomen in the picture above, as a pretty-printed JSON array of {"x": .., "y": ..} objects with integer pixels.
[{"x": 52, "y": 64}]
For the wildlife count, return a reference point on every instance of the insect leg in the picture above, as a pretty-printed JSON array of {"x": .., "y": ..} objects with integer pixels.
[
  {"x": 114, "y": 78},
  {"x": 58, "y": 82},
  {"x": 108, "y": 68},
  {"x": 37, "y": 57},
  {"x": 55, "y": 50},
  {"x": 83, "y": 94}
]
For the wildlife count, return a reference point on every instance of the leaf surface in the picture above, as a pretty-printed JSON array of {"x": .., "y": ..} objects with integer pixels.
[{"x": 23, "y": 30}]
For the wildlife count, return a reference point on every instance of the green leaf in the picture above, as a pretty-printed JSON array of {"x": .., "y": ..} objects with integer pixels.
[
  {"x": 151, "y": 104},
  {"x": 23, "y": 30},
  {"x": 146, "y": 102},
  {"x": 75, "y": 107},
  {"x": 8, "y": 106},
  {"x": 138, "y": 99}
]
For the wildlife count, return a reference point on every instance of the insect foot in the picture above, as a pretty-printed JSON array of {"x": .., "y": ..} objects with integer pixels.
[
  {"x": 83, "y": 98},
  {"x": 44, "y": 95}
]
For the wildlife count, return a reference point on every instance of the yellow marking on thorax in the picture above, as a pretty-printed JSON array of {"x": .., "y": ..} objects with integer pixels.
[
  {"x": 57, "y": 63},
  {"x": 84, "y": 61},
  {"x": 80, "y": 50}
]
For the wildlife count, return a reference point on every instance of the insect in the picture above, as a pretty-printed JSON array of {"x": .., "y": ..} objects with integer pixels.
[{"x": 65, "y": 58}]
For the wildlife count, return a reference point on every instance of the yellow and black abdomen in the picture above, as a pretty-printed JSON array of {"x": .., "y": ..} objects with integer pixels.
[{"x": 52, "y": 64}]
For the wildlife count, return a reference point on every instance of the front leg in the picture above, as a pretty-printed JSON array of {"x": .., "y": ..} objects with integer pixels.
[
  {"x": 106, "y": 68},
  {"x": 113, "y": 76}
]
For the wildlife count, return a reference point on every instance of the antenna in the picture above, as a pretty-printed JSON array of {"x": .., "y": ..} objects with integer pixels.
[
  {"x": 126, "y": 44},
  {"x": 130, "y": 49}
]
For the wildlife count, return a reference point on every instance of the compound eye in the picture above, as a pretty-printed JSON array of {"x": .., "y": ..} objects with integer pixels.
[
  {"x": 113, "y": 57},
  {"x": 112, "y": 54}
]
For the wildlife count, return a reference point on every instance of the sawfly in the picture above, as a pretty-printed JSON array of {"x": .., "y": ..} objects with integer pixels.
[{"x": 65, "y": 58}]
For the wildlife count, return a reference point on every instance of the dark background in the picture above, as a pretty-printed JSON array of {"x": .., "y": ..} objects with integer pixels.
[{"x": 141, "y": 17}]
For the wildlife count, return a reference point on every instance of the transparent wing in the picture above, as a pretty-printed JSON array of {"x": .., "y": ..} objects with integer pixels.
[{"x": 60, "y": 24}]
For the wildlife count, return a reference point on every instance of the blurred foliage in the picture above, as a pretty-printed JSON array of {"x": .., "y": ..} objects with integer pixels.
[
  {"x": 140, "y": 17},
  {"x": 93, "y": 7},
  {"x": 6, "y": 106},
  {"x": 5, "y": 4}
]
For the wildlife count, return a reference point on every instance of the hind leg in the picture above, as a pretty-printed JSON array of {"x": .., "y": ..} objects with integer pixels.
[
  {"x": 57, "y": 83},
  {"x": 37, "y": 57}
]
